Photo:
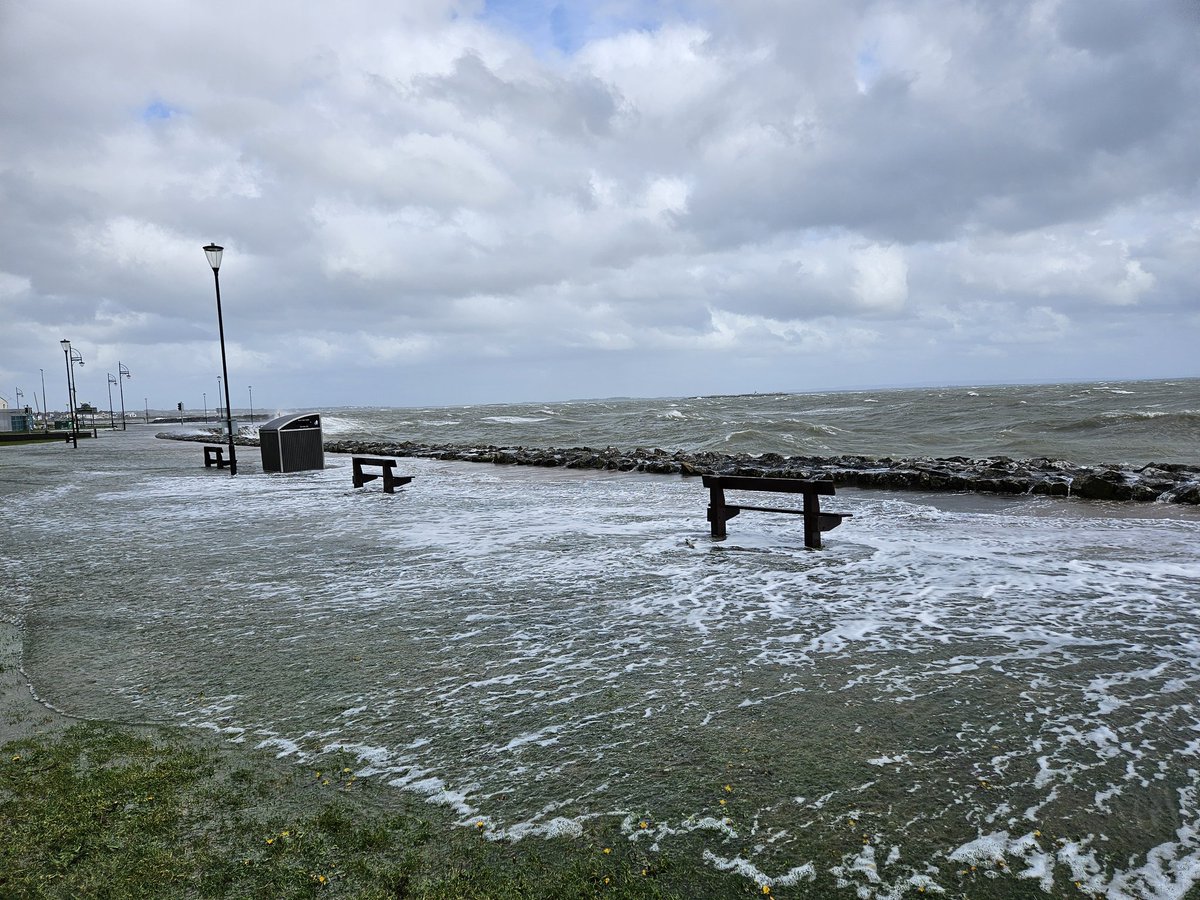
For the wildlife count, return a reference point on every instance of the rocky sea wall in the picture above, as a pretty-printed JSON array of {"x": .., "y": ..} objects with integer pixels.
[{"x": 1162, "y": 483}]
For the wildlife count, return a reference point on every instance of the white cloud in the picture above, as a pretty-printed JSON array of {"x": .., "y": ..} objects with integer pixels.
[
  {"x": 1038, "y": 325},
  {"x": 424, "y": 188},
  {"x": 658, "y": 74},
  {"x": 13, "y": 285},
  {"x": 1135, "y": 284},
  {"x": 881, "y": 278},
  {"x": 130, "y": 243}
]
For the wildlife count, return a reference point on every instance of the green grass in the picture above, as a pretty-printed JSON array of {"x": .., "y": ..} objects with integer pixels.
[{"x": 101, "y": 811}]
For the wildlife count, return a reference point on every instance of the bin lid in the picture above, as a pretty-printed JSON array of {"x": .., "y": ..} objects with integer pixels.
[{"x": 292, "y": 421}]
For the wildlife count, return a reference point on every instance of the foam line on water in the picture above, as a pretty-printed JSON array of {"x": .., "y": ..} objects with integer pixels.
[{"x": 537, "y": 650}]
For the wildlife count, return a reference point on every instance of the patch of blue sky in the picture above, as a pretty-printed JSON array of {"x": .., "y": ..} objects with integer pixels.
[
  {"x": 564, "y": 27},
  {"x": 867, "y": 66},
  {"x": 158, "y": 110}
]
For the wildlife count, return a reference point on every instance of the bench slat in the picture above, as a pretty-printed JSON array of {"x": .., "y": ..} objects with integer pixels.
[
  {"x": 781, "y": 509},
  {"x": 777, "y": 485},
  {"x": 826, "y": 520}
]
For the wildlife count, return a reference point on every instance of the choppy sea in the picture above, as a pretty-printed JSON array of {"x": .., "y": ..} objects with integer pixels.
[
  {"x": 956, "y": 691},
  {"x": 1113, "y": 422}
]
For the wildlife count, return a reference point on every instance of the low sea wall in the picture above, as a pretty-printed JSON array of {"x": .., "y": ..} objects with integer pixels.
[{"x": 1163, "y": 483}]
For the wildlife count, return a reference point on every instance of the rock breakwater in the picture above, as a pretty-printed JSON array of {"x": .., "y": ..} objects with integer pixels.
[{"x": 1163, "y": 483}]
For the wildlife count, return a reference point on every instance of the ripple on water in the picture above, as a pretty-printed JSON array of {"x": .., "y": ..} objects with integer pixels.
[{"x": 937, "y": 688}]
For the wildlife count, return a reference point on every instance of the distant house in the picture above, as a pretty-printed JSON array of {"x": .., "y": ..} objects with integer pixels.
[{"x": 16, "y": 419}]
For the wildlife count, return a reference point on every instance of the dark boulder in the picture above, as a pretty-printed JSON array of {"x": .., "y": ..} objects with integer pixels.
[{"x": 1109, "y": 484}]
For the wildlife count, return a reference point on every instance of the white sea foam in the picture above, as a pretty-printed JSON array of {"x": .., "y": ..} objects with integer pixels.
[
  {"x": 335, "y": 425},
  {"x": 498, "y": 646},
  {"x": 283, "y": 747},
  {"x": 745, "y": 868},
  {"x": 188, "y": 431},
  {"x": 558, "y": 827},
  {"x": 984, "y": 850}
]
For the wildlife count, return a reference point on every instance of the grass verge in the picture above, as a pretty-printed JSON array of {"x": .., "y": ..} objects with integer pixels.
[
  {"x": 100, "y": 811},
  {"x": 107, "y": 811}
]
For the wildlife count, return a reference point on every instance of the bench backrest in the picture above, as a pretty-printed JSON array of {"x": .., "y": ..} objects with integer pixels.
[{"x": 777, "y": 485}]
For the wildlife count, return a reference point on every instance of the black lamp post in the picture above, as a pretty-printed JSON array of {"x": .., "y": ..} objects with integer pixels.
[
  {"x": 72, "y": 356},
  {"x": 213, "y": 252},
  {"x": 112, "y": 419},
  {"x": 122, "y": 372}
]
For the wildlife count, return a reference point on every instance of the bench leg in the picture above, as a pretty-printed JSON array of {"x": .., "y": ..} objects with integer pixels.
[
  {"x": 812, "y": 522},
  {"x": 716, "y": 511},
  {"x": 358, "y": 479},
  {"x": 389, "y": 480}
]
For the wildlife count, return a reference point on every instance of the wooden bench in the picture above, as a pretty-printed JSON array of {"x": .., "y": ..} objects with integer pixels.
[
  {"x": 215, "y": 456},
  {"x": 815, "y": 521},
  {"x": 385, "y": 466}
]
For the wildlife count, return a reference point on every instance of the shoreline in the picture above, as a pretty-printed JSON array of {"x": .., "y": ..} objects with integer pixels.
[
  {"x": 1150, "y": 483},
  {"x": 192, "y": 811},
  {"x": 22, "y": 715}
]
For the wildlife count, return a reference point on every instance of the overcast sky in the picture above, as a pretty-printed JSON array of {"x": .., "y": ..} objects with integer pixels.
[{"x": 429, "y": 202}]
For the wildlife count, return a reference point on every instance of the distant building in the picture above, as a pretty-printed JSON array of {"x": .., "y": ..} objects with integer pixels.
[{"x": 16, "y": 419}]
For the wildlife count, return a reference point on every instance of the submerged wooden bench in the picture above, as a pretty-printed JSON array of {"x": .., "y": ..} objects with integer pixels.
[
  {"x": 215, "y": 456},
  {"x": 385, "y": 466},
  {"x": 815, "y": 521}
]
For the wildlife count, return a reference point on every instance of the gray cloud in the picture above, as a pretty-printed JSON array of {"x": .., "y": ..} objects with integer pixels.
[{"x": 442, "y": 204}]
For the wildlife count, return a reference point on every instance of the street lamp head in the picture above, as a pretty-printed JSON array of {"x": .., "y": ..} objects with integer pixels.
[
  {"x": 65, "y": 344},
  {"x": 213, "y": 252}
]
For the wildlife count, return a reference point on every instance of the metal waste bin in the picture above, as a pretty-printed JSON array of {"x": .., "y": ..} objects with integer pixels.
[{"x": 292, "y": 443}]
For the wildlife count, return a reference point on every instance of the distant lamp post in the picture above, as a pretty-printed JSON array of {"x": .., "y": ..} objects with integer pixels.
[
  {"x": 112, "y": 418},
  {"x": 250, "y": 388},
  {"x": 218, "y": 396},
  {"x": 122, "y": 372},
  {"x": 213, "y": 252},
  {"x": 205, "y": 395},
  {"x": 45, "y": 408},
  {"x": 72, "y": 356}
]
